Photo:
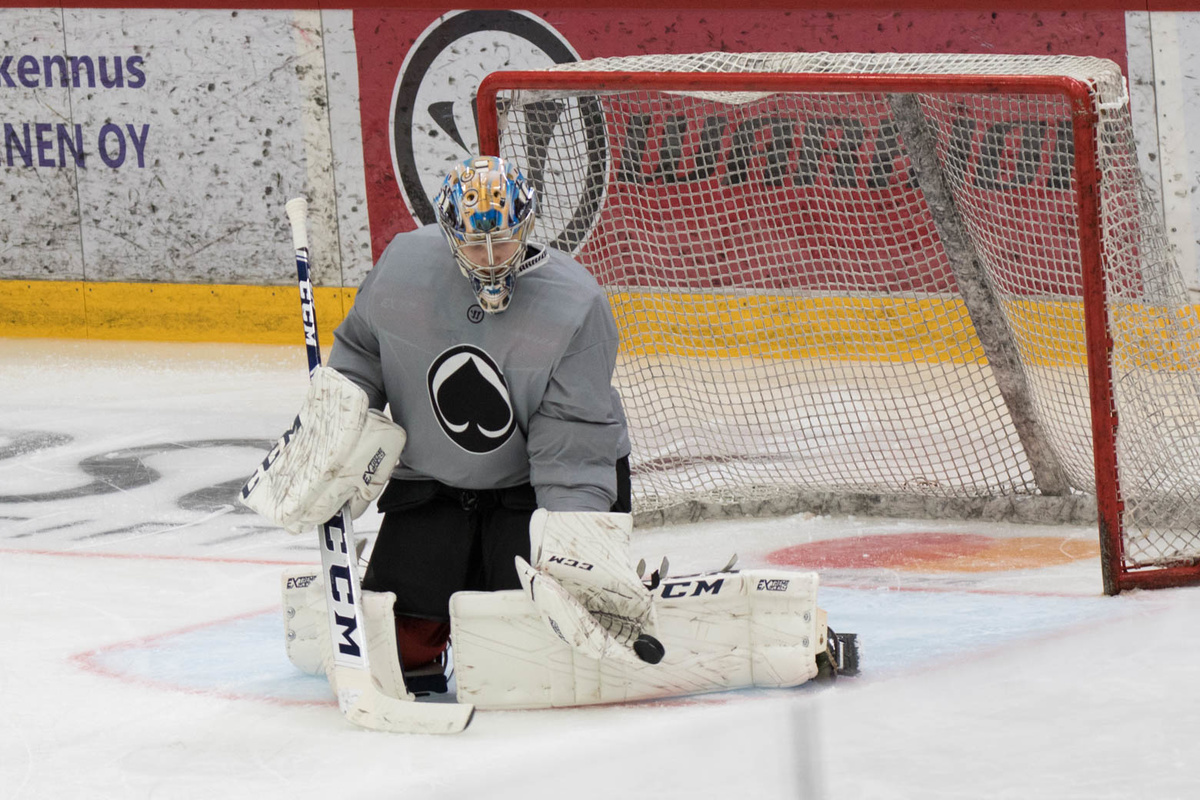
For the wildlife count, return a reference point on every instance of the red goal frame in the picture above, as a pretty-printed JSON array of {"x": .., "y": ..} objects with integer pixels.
[{"x": 1099, "y": 343}]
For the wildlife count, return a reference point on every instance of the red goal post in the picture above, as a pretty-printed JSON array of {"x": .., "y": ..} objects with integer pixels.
[{"x": 620, "y": 133}]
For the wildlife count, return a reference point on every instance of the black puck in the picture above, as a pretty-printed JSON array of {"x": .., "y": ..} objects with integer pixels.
[{"x": 649, "y": 649}]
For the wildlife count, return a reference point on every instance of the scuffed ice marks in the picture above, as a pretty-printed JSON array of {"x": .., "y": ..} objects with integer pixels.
[{"x": 128, "y": 492}]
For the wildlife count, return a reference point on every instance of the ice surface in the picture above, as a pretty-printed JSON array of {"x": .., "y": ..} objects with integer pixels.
[{"x": 142, "y": 651}]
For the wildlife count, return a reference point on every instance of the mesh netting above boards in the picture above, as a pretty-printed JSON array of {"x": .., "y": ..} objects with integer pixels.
[{"x": 874, "y": 283}]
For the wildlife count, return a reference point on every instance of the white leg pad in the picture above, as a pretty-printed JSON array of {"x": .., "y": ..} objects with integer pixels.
[
  {"x": 305, "y": 620},
  {"x": 306, "y": 629},
  {"x": 720, "y": 631}
]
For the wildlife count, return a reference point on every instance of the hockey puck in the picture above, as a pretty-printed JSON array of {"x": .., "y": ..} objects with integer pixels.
[{"x": 649, "y": 649}]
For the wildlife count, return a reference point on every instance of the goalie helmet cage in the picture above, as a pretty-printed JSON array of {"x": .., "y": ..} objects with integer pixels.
[{"x": 918, "y": 285}]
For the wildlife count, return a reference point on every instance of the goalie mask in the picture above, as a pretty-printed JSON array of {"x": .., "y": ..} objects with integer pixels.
[{"x": 486, "y": 209}]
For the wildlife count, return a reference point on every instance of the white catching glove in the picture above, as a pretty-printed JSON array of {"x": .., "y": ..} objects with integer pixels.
[
  {"x": 584, "y": 587},
  {"x": 339, "y": 450}
]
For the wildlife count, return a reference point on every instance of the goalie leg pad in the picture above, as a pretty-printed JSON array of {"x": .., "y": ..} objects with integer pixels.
[
  {"x": 722, "y": 630},
  {"x": 306, "y": 630},
  {"x": 305, "y": 620}
]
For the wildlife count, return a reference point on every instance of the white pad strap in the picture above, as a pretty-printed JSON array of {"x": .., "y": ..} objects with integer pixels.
[{"x": 338, "y": 450}]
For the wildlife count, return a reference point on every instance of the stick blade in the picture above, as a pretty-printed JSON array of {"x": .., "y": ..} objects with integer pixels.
[{"x": 364, "y": 705}]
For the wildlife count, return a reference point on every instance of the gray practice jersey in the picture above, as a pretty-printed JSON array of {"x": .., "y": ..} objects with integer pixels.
[{"x": 491, "y": 400}]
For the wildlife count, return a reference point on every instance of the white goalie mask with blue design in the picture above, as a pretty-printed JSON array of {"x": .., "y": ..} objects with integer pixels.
[{"x": 486, "y": 209}]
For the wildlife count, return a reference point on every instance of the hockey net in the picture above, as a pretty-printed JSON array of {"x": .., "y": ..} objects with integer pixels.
[{"x": 905, "y": 284}]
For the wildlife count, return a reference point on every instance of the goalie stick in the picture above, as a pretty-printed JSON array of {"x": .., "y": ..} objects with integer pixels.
[{"x": 359, "y": 696}]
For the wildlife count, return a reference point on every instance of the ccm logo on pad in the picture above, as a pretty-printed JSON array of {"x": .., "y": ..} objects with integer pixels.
[
  {"x": 690, "y": 588},
  {"x": 571, "y": 562}
]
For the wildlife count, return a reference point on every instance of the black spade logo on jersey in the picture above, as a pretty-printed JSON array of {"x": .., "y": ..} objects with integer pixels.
[{"x": 470, "y": 399}]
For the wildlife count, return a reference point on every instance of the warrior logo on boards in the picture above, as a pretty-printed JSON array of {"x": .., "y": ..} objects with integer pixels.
[
  {"x": 434, "y": 115},
  {"x": 470, "y": 399}
]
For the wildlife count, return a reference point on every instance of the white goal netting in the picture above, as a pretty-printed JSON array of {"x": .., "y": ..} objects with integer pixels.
[{"x": 863, "y": 298}]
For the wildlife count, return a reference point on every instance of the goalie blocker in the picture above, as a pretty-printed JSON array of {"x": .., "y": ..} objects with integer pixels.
[{"x": 338, "y": 451}]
